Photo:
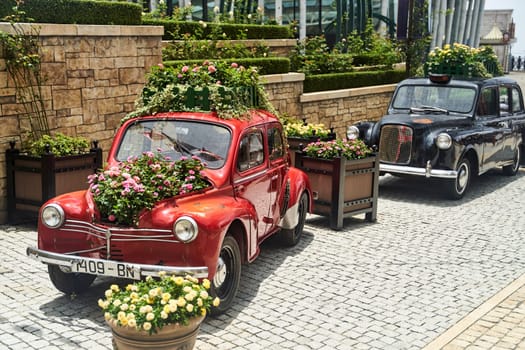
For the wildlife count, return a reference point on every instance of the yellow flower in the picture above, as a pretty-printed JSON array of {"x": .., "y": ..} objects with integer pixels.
[
  {"x": 199, "y": 302},
  {"x": 132, "y": 307},
  {"x": 108, "y": 293},
  {"x": 166, "y": 297},
  {"x": 117, "y": 302},
  {"x": 132, "y": 322},
  {"x": 179, "y": 280},
  {"x": 206, "y": 283},
  {"x": 107, "y": 316},
  {"x": 124, "y": 307},
  {"x": 121, "y": 315},
  {"x": 181, "y": 302},
  {"x": 150, "y": 316},
  {"x": 216, "y": 302},
  {"x": 189, "y": 307},
  {"x": 102, "y": 304},
  {"x": 115, "y": 288},
  {"x": 204, "y": 294},
  {"x": 163, "y": 315},
  {"x": 203, "y": 312},
  {"x": 146, "y": 326},
  {"x": 162, "y": 273}
]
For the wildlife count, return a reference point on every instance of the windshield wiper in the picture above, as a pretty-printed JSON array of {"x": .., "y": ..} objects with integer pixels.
[{"x": 428, "y": 109}]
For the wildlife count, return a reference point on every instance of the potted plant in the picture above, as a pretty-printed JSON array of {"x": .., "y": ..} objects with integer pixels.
[
  {"x": 47, "y": 167},
  {"x": 123, "y": 191},
  {"x": 156, "y": 313},
  {"x": 299, "y": 134},
  {"x": 344, "y": 177}
]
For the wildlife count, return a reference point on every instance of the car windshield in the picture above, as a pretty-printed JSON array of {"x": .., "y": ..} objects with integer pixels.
[
  {"x": 432, "y": 98},
  {"x": 176, "y": 139}
]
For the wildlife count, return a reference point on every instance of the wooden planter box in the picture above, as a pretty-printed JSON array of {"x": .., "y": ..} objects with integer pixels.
[
  {"x": 296, "y": 144},
  {"x": 342, "y": 188},
  {"x": 31, "y": 181}
]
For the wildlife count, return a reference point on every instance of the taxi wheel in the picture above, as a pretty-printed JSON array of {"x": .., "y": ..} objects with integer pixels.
[
  {"x": 69, "y": 283},
  {"x": 225, "y": 283},
  {"x": 511, "y": 170},
  {"x": 458, "y": 186},
  {"x": 291, "y": 237}
]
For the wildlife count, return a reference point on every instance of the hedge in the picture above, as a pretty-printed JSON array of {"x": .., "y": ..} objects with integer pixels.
[
  {"x": 78, "y": 12},
  {"x": 336, "y": 81},
  {"x": 173, "y": 30},
  {"x": 268, "y": 65}
]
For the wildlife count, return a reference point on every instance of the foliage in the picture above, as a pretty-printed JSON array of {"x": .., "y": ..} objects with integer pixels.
[
  {"x": 266, "y": 65},
  {"x": 122, "y": 192},
  {"x": 152, "y": 304},
  {"x": 463, "y": 60},
  {"x": 59, "y": 145},
  {"x": 313, "y": 56},
  {"x": 335, "y": 81},
  {"x": 175, "y": 30},
  {"x": 350, "y": 149},
  {"x": 82, "y": 12},
  {"x": 305, "y": 130},
  {"x": 21, "y": 52},
  {"x": 230, "y": 90}
]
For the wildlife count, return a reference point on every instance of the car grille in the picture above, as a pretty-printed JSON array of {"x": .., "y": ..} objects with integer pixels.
[{"x": 395, "y": 145}]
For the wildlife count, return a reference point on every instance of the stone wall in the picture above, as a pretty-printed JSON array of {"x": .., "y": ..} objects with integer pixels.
[{"x": 95, "y": 73}]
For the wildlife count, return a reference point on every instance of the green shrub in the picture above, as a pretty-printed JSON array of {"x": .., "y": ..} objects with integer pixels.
[
  {"x": 270, "y": 65},
  {"x": 350, "y": 80},
  {"x": 175, "y": 30},
  {"x": 6, "y": 8},
  {"x": 204, "y": 49},
  {"x": 80, "y": 12},
  {"x": 60, "y": 145}
]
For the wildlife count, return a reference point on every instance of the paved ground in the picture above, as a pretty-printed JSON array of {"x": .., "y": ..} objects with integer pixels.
[{"x": 399, "y": 283}]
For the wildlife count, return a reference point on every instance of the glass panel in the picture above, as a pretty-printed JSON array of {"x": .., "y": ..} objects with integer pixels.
[{"x": 452, "y": 99}]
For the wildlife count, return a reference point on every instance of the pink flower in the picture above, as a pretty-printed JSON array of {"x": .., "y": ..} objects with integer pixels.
[
  {"x": 212, "y": 69},
  {"x": 160, "y": 65},
  {"x": 234, "y": 65},
  {"x": 112, "y": 217},
  {"x": 185, "y": 69}
]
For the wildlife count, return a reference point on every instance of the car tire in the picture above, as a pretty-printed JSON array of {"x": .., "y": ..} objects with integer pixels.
[
  {"x": 511, "y": 170},
  {"x": 290, "y": 237},
  {"x": 69, "y": 283},
  {"x": 457, "y": 187},
  {"x": 228, "y": 275}
]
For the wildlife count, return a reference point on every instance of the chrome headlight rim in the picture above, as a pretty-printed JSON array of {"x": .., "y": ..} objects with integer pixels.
[
  {"x": 186, "y": 229},
  {"x": 443, "y": 141},
  {"x": 352, "y": 132},
  {"x": 57, "y": 213}
]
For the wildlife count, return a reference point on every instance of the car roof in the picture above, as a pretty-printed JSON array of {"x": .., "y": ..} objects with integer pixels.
[{"x": 461, "y": 81}]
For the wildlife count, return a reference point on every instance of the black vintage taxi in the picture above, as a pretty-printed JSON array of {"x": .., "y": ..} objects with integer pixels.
[{"x": 448, "y": 128}]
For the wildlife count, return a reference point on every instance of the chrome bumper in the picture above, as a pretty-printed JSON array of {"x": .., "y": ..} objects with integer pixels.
[
  {"x": 142, "y": 270},
  {"x": 427, "y": 171}
]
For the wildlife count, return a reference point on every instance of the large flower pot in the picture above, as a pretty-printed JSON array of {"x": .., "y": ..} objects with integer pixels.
[
  {"x": 296, "y": 144},
  {"x": 342, "y": 188},
  {"x": 170, "y": 337},
  {"x": 31, "y": 181}
]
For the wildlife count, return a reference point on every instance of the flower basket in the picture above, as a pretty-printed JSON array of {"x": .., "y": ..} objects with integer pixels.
[
  {"x": 342, "y": 188},
  {"x": 32, "y": 180}
]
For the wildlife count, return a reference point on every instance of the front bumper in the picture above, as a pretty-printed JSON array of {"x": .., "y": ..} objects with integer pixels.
[
  {"x": 101, "y": 267},
  {"x": 427, "y": 171}
]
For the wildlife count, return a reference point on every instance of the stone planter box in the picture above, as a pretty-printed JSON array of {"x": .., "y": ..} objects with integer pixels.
[
  {"x": 342, "y": 188},
  {"x": 31, "y": 181}
]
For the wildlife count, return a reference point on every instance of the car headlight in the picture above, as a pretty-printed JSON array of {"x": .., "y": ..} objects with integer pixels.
[
  {"x": 443, "y": 141},
  {"x": 185, "y": 229},
  {"x": 53, "y": 216},
  {"x": 352, "y": 132}
]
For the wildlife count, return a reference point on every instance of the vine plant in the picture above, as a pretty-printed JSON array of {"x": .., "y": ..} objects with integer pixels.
[{"x": 20, "y": 50}]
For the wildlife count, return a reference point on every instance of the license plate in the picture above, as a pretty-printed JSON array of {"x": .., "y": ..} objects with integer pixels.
[{"x": 106, "y": 268}]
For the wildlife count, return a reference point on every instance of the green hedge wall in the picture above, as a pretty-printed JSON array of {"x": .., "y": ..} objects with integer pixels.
[
  {"x": 336, "y": 81},
  {"x": 175, "y": 29},
  {"x": 79, "y": 12},
  {"x": 269, "y": 65}
]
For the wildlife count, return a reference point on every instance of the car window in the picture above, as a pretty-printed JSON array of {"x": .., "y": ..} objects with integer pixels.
[
  {"x": 504, "y": 100},
  {"x": 487, "y": 102},
  {"x": 251, "y": 151},
  {"x": 275, "y": 143},
  {"x": 517, "y": 103},
  {"x": 452, "y": 98},
  {"x": 176, "y": 139}
]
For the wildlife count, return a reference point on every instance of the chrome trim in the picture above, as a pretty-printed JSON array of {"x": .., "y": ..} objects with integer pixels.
[
  {"x": 427, "y": 171},
  {"x": 250, "y": 177},
  {"x": 145, "y": 269}
]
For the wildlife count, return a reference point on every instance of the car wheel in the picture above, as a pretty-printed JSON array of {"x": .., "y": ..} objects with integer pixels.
[
  {"x": 511, "y": 170},
  {"x": 69, "y": 282},
  {"x": 291, "y": 237},
  {"x": 225, "y": 283},
  {"x": 457, "y": 187}
]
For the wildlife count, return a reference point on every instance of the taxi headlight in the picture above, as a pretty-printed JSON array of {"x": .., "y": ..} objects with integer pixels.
[
  {"x": 443, "y": 141},
  {"x": 185, "y": 229},
  {"x": 352, "y": 132},
  {"x": 53, "y": 216}
]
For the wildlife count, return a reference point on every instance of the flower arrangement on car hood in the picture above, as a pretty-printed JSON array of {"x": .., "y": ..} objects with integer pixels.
[
  {"x": 121, "y": 192},
  {"x": 152, "y": 303},
  {"x": 350, "y": 149},
  {"x": 228, "y": 89}
]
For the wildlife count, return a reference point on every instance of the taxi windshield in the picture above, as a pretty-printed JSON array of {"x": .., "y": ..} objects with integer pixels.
[
  {"x": 176, "y": 139},
  {"x": 435, "y": 98}
]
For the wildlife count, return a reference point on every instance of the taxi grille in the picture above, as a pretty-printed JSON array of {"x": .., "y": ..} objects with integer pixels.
[{"x": 395, "y": 144}]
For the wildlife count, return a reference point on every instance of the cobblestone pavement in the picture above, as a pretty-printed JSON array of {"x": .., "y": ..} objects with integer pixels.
[{"x": 398, "y": 283}]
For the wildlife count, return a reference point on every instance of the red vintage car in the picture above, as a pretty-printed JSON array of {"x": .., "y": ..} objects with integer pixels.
[{"x": 253, "y": 194}]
